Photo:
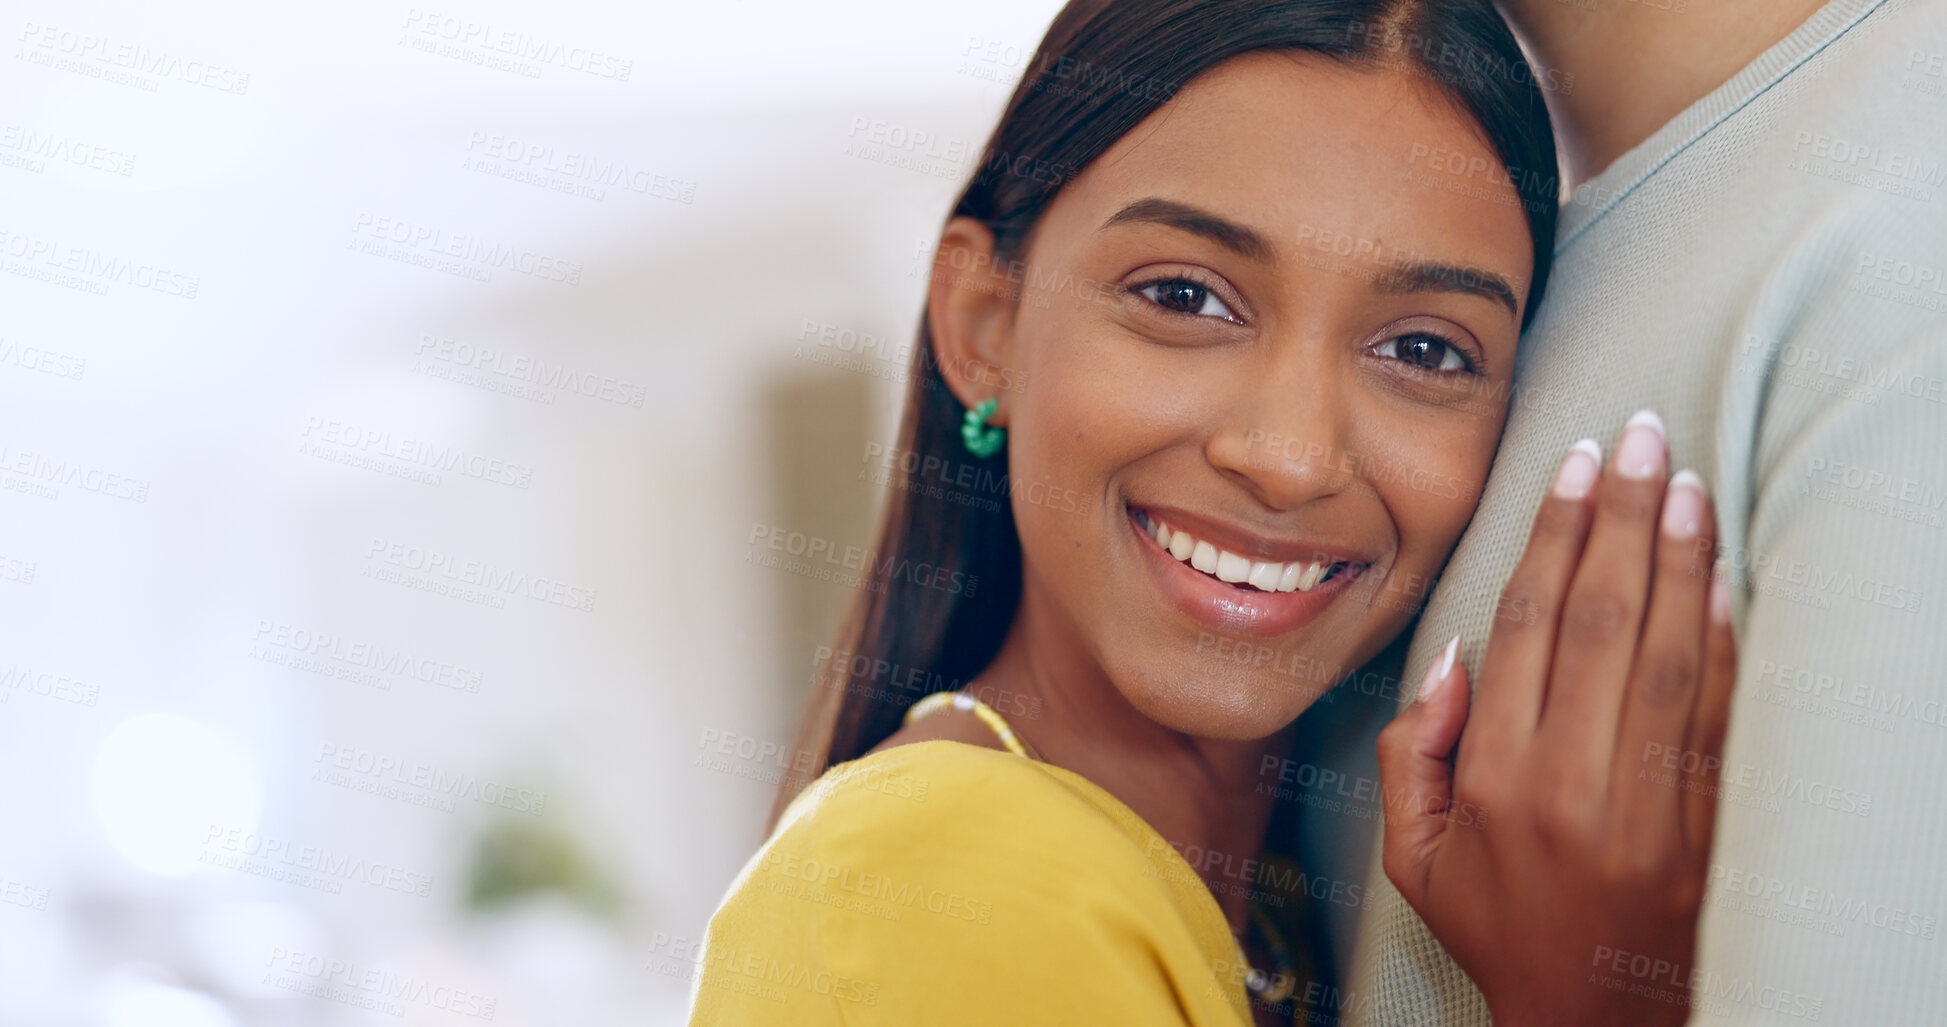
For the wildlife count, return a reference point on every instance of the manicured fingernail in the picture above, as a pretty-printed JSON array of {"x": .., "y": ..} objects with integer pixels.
[
  {"x": 1683, "y": 505},
  {"x": 1438, "y": 674},
  {"x": 1640, "y": 455},
  {"x": 1579, "y": 470},
  {"x": 1720, "y": 599}
]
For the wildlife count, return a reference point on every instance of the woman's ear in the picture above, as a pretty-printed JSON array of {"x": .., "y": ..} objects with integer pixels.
[{"x": 970, "y": 303}]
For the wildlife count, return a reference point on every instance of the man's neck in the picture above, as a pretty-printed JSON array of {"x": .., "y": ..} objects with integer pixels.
[{"x": 1626, "y": 67}]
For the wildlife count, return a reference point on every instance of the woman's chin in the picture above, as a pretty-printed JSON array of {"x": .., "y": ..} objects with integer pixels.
[{"x": 1237, "y": 707}]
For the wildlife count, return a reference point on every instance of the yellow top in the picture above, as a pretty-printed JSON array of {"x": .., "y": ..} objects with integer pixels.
[{"x": 941, "y": 883}]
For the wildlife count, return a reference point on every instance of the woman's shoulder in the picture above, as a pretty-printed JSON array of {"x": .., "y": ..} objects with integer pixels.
[
  {"x": 1000, "y": 838},
  {"x": 928, "y": 792},
  {"x": 924, "y": 873}
]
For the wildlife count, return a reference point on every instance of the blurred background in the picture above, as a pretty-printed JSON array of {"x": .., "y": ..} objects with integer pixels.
[{"x": 394, "y": 404}]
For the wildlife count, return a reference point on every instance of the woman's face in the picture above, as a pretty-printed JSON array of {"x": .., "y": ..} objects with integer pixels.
[{"x": 1276, "y": 319}]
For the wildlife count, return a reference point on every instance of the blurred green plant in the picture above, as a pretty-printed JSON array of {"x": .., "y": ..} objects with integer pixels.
[{"x": 515, "y": 859}]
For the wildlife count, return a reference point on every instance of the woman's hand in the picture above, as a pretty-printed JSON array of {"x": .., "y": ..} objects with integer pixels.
[{"x": 1561, "y": 856}]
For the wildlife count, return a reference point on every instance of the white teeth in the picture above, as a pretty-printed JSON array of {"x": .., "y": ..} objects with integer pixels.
[
  {"x": 1231, "y": 567},
  {"x": 1289, "y": 579},
  {"x": 1312, "y": 575},
  {"x": 1300, "y": 576},
  {"x": 1266, "y": 575}
]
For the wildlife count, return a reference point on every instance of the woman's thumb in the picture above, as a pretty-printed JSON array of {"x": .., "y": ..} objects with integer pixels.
[{"x": 1415, "y": 774}]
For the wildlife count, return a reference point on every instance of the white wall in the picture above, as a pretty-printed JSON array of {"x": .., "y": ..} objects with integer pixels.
[{"x": 222, "y": 374}]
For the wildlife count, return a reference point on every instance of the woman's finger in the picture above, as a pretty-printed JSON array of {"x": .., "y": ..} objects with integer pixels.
[
  {"x": 1515, "y": 667},
  {"x": 1651, "y": 755},
  {"x": 1709, "y": 719},
  {"x": 1603, "y": 615},
  {"x": 1415, "y": 777}
]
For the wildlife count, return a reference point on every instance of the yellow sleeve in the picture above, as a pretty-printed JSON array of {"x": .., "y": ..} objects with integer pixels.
[{"x": 960, "y": 886}]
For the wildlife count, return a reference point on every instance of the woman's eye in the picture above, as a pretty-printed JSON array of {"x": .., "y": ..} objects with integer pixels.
[
  {"x": 1428, "y": 352},
  {"x": 1186, "y": 297}
]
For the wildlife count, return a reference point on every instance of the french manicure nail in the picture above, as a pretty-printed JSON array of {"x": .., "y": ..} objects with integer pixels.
[
  {"x": 1579, "y": 470},
  {"x": 1720, "y": 599},
  {"x": 1683, "y": 505},
  {"x": 1438, "y": 674},
  {"x": 1641, "y": 453}
]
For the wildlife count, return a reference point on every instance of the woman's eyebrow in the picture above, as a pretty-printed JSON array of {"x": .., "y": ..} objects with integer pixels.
[
  {"x": 1229, "y": 234},
  {"x": 1434, "y": 277},
  {"x": 1418, "y": 276}
]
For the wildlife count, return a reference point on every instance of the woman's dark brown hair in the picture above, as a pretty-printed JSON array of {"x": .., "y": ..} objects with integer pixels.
[{"x": 944, "y": 578}]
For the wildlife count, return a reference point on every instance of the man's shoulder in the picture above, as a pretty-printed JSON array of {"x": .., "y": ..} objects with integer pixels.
[{"x": 1879, "y": 90}]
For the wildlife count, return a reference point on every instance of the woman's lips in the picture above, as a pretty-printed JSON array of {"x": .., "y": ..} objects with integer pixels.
[{"x": 1239, "y": 607}]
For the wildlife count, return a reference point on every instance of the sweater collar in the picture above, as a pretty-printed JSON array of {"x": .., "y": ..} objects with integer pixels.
[{"x": 1604, "y": 192}]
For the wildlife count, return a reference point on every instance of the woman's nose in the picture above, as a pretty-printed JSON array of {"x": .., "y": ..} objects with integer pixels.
[{"x": 1286, "y": 439}]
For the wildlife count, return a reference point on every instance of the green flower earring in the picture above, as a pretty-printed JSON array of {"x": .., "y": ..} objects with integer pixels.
[{"x": 982, "y": 440}]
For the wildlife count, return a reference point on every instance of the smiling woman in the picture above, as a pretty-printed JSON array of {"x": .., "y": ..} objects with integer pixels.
[{"x": 1251, "y": 327}]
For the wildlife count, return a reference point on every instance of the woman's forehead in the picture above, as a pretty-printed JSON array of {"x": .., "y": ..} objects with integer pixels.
[{"x": 1319, "y": 154}]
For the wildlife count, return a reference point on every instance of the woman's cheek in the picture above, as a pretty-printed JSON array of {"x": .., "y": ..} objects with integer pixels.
[{"x": 1431, "y": 507}]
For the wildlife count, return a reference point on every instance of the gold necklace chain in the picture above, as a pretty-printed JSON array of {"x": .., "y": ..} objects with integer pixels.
[{"x": 964, "y": 701}]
